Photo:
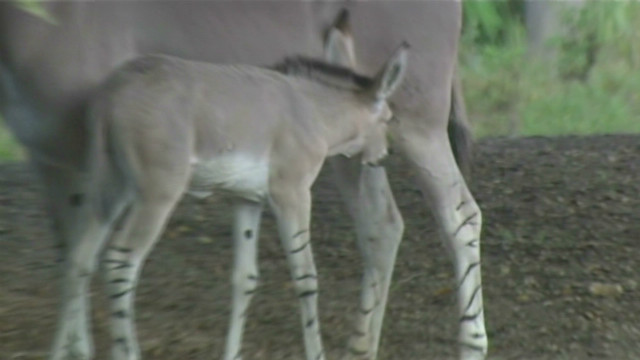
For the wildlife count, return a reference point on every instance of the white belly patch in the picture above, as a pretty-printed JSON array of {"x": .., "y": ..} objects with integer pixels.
[{"x": 238, "y": 174}]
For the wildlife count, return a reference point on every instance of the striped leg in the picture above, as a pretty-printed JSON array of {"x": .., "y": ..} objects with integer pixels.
[
  {"x": 460, "y": 220},
  {"x": 123, "y": 262},
  {"x": 379, "y": 228},
  {"x": 73, "y": 339},
  {"x": 293, "y": 211},
  {"x": 245, "y": 271},
  {"x": 80, "y": 236}
]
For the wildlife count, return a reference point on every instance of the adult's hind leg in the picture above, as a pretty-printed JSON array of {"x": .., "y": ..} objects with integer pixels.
[
  {"x": 379, "y": 229},
  {"x": 460, "y": 220},
  {"x": 80, "y": 236}
]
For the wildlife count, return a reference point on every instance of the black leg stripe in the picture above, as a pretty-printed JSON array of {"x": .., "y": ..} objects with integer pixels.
[
  {"x": 367, "y": 311},
  {"x": 120, "y": 314},
  {"x": 472, "y": 346},
  {"x": 118, "y": 264},
  {"x": 307, "y": 276},
  {"x": 471, "y": 317},
  {"x": 122, "y": 342},
  {"x": 472, "y": 243},
  {"x": 359, "y": 333},
  {"x": 253, "y": 277},
  {"x": 118, "y": 281},
  {"x": 357, "y": 352},
  {"x": 310, "y": 323},
  {"x": 460, "y": 205},
  {"x": 120, "y": 294},
  {"x": 250, "y": 292},
  {"x": 478, "y": 335},
  {"x": 466, "y": 221},
  {"x": 299, "y": 233},
  {"x": 475, "y": 293},
  {"x": 120, "y": 249},
  {"x": 114, "y": 261},
  {"x": 308, "y": 293},
  {"x": 302, "y": 247},
  {"x": 467, "y": 272}
]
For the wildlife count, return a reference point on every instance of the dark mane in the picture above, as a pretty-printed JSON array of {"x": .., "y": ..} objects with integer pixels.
[{"x": 323, "y": 72}]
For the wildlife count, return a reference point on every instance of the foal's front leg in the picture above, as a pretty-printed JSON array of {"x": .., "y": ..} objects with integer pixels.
[
  {"x": 245, "y": 271},
  {"x": 292, "y": 208}
]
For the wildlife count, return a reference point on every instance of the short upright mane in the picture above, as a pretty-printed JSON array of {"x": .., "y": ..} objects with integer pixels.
[{"x": 323, "y": 72}]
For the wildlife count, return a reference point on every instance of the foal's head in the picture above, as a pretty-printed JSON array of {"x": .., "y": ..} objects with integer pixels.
[{"x": 339, "y": 49}]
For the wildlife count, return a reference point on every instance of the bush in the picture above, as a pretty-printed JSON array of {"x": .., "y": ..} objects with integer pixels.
[{"x": 594, "y": 89}]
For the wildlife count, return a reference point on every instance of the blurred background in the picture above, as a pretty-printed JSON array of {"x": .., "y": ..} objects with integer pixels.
[
  {"x": 534, "y": 67},
  {"x": 551, "y": 67}
]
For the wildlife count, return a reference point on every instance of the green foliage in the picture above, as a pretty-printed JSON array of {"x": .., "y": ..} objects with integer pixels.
[
  {"x": 10, "y": 150},
  {"x": 597, "y": 90},
  {"x": 488, "y": 22},
  {"x": 601, "y": 29},
  {"x": 35, "y": 8}
]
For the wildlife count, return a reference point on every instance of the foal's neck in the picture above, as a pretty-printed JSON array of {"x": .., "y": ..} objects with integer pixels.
[{"x": 339, "y": 113}]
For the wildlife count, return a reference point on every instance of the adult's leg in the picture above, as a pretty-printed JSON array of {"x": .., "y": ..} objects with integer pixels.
[
  {"x": 460, "y": 220},
  {"x": 80, "y": 235},
  {"x": 379, "y": 229}
]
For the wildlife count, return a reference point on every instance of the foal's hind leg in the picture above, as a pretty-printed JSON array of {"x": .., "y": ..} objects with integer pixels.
[
  {"x": 122, "y": 263},
  {"x": 379, "y": 228},
  {"x": 460, "y": 221},
  {"x": 245, "y": 271}
]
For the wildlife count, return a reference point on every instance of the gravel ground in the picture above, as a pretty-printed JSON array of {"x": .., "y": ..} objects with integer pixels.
[{"x": 560, "y": 258}]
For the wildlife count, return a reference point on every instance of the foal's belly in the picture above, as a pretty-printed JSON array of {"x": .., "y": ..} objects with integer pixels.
[{"x": 239, "y": 174}]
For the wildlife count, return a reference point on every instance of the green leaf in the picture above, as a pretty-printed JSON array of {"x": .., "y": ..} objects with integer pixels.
[
  {"x": 485, "y": 16},
  {"x": 34, "y": 7}
]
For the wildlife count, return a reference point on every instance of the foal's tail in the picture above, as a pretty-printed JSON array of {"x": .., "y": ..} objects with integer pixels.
[
  {"x": 458, "y": 128},
  {"x": 112, "y": 179}
]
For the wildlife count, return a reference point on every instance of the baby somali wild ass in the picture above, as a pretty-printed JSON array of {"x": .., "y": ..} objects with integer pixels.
[{"x": 162, "y": 126}]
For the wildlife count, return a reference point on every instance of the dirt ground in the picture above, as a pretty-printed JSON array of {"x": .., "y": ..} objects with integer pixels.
[{"x": 560, "y": 215}]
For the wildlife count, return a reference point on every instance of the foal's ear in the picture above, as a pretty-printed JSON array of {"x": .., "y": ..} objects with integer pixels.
[
  {"x": 338, "y": 45},
  {"x": 392, "y": 74}
]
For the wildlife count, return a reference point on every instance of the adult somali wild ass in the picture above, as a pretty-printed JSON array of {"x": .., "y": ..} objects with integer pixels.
[{"x": 48, "y": 71}]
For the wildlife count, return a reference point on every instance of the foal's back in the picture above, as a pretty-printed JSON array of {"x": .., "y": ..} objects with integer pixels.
[{"x": 209, "y": 109}]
